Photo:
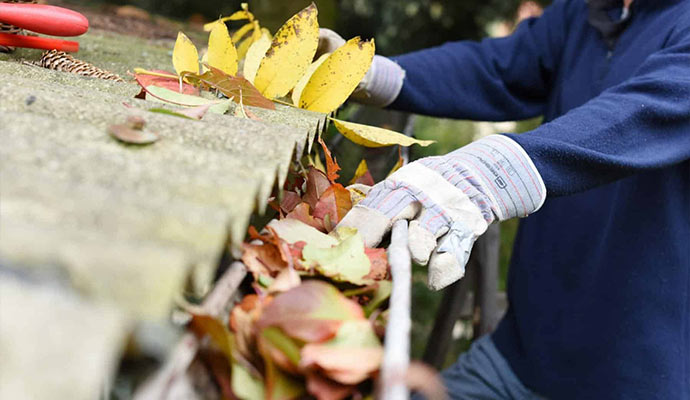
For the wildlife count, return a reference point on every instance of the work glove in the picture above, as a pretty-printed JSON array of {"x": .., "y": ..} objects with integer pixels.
[
  {"x": 450, "y": 201},
  {"x": 383, "y": 81}
]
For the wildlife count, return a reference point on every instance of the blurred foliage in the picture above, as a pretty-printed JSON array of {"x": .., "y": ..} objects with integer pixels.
[
  {"x": 397, "y": 25},
  {"x": 405, "y": 25}
]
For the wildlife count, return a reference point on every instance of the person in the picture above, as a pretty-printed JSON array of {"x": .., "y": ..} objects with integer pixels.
[{"x": 599, "y": 284}]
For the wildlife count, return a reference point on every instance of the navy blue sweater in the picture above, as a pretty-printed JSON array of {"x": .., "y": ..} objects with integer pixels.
[{"x": 599, "y": 284}]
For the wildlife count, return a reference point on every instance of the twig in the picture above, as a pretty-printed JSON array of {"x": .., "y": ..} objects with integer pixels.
[
  {"x": 396, "y": 359},
  {"x": 159, "y": 386}
]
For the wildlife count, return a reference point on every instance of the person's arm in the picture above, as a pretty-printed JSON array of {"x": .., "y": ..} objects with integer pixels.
[
  {"x": 641, "y": 124},
  {"x": 492, "y": 80}
]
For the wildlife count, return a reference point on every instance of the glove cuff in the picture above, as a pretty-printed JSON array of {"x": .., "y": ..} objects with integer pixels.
[
  {"x": 506, "y": 175},
  {"x": 382, "y": 83}
]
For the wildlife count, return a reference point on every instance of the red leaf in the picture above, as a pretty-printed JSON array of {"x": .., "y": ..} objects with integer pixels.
[
  {"x": 301, "y": 213},
  {"x": 311, "y": 312},
  {"x": 317, "y": 184},
  {"x": 296, "y": 251},
  {"x": 379, "y": 264},
  {"x": 173, "y": 84},
  {"x": 235, "y": 87},
  {"x": 290, "y": 201},
  {"x": 332, "y": 166},
  {"x": 333, "y": 205},
  {"x": 366, "y": 179},
  {"x": 326, "y": 389},
  {"x": 362, "y": 175}
]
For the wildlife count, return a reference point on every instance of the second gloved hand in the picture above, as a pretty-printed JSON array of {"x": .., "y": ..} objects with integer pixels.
[{"x": 383, "y": 81}]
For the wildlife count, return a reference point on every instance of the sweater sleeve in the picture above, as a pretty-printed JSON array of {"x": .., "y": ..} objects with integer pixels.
[
  {"x": 641, "y": 124},
  {"x": 492, "y": 80}
]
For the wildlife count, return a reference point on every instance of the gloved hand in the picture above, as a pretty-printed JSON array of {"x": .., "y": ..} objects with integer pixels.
[
  {"x": 451, "y": 200},
  {"x": 381, "y": 84}
]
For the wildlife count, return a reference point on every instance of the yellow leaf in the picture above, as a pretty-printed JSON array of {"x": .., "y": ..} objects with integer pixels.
[
  {"x": 371, "y": 136},
  {"x": 254, "y": 56},
  {"x": 297, "y": 91},
  {"x": 361, "y": 170},
  {"x": 185, "y": 56},
  {"x": 221, "y": 51},
  {"x": 240, "y": 33},
  {"x": 236, "y": 16},
  {"x": 335, "y": 80},
  {"x": 243, "y": 47},
  {"x": 290, "y": 55}
]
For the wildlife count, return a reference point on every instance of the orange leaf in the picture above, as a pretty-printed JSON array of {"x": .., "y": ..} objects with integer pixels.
[
  {"x": 333, "y": 205},
  {"x": 379, "y": 264},
  {"x": 301, "y": 212},
  {"x": 332, "y": 166}
]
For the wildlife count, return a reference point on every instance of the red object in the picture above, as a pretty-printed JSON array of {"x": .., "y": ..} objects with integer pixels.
[
  {"x": 34, "y": 42},
  {"x": 49, "y": 20}
]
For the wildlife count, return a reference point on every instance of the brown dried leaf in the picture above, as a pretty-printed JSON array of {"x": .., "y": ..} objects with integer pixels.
[
  {"x": 263, "y": 259},
  {"x": 317, "y": 183},
  {"x": 234, "y": 87},
  {"x": 290, "y": 201},
  {"x": 302, "y": 213}
]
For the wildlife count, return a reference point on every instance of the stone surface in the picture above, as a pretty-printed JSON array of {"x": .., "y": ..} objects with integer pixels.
[{"x": 120, "y": 227}]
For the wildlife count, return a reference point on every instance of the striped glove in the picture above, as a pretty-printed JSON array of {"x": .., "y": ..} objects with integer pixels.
[{"x": 451, "y": 200}]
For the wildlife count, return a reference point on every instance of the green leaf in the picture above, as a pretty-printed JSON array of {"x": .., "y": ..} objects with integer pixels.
[
  {"x": 293, "y": 231},
  {"x": 280, "y": 386},
  {"x": 187, "y": 100},
  {"x": 280, "y": 341},
  {"x": 345, "y": 262},
  {"x": 244, "y": 385},
  {"x": 381, "y": 294}
]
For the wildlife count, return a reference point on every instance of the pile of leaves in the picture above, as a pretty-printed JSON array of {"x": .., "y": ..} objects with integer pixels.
[
  {"x": 251, "y": 67},
  {"x": 314, "y": 322}
]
